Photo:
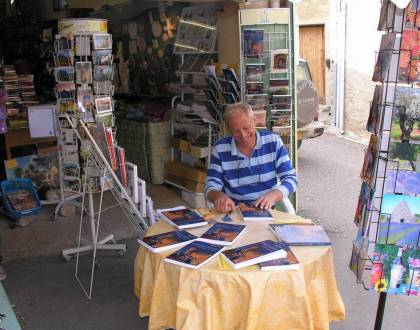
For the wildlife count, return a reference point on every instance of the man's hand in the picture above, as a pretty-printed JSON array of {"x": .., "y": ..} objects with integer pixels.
[
  {"x": 267, "y": 201},
  {"x": 221, "y": 201}
]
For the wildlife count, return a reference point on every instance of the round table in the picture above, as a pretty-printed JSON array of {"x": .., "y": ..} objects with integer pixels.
[{"x": 213, "y": 297}]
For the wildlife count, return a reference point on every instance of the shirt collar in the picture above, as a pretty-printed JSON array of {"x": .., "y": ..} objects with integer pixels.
[{"x": 234, "y": 148}]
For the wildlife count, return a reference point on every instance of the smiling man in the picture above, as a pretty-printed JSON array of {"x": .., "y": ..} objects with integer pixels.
[{"x": 248, "y": 166}]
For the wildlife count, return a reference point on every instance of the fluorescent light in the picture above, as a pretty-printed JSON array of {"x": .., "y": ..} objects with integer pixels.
[{"x": 198, "y": 24}]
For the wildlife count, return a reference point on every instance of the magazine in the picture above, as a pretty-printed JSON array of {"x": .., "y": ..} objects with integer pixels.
[
  {"x": 304, "y": 235},
  {"x": 223, "y": 233},
  {"x": 254, "y": 253},
  {"x": 165, "y": 241},
  {"x": 195, "y": 254},
  {"x": 182, "y": 217},
  {"x": 288, "y": 262},
  {"x": 253, "y": 213},
  {"x": 21, "y": 200}
]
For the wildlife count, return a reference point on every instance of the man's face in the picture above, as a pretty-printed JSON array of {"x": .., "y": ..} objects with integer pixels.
[{"x": 242, "y": 129}]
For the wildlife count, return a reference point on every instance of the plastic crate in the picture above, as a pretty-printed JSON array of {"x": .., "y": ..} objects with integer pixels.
[{"x": 16, "y": 185}]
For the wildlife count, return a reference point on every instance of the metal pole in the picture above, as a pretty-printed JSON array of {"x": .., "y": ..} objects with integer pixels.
[{"x": 380, "y": 311}]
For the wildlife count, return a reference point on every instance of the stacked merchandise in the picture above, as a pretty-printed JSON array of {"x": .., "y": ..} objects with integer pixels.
[
  {"x": 83, "y": 74},
  {"x": 388, "y": 209},
  {"x": 3, "y": 111},
  {"x": 17, "y": 113},
  {"x": 27, "y": 89}
]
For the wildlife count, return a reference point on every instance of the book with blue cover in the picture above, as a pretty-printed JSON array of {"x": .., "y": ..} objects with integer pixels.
[
  {"x": 253, "y": 213},
  {"x": 223, "y": 233},
  {"x": 304, "y": 235},
  {"x": 255, "y": 253},
  {"x": 165, "y": 241},
  {"x": 288, "y": 262},
  {"x": 194, "y": 255},
  {"x": 182, "y": 217}
]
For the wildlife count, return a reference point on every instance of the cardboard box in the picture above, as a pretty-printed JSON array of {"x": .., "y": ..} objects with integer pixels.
[
  {"x": 182, "y": 170},
  {"x": 199, "y": 152},
  {"x": 193, "y": 186},
  {"x": 196, "y": 200}
]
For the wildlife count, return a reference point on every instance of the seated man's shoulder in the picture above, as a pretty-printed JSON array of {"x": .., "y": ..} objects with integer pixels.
[{"x": 224, "y": 141}]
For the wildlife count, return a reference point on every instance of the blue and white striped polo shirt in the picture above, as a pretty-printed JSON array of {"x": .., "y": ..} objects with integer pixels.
[{"x": 246, "y": 179}]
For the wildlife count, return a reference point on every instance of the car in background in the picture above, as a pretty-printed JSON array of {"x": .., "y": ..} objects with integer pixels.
[{"x": 307, "y": 108}]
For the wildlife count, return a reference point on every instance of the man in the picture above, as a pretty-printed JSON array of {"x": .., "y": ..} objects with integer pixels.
[{"x": 249, "y": 166}]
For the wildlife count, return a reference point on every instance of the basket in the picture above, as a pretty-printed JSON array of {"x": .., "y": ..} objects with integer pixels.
[{"x": 19, "y": 198}]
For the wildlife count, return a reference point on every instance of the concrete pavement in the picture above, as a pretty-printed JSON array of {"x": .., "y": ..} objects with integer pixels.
[{"x": 46, "y": 296}]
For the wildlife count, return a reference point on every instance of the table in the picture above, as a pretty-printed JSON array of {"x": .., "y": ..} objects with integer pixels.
[
  {"x": 21, "y": 137},
  {"x": 212, "y": 298}
]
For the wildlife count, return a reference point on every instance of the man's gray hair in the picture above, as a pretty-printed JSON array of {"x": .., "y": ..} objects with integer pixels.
[{"x": 233, "y": 109}]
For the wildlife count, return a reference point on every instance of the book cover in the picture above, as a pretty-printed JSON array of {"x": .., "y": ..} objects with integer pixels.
[
  {"x": 252, "y": 254},
  {"x": 375, "y": 111},
  {"x": 369, "y": 161},
  {"x": 364, "y": 204},
  {"x": 383, "y": 60},
  {"x": 301, "y": 234},
  {"x": 402, "y": 182},
  {"x": 165, "y": 241},
  {"x": 21, "y": 200},
  {"x": 182, "y": 218},
  {"x": 395, "y": 270},
  {"x": 253, "y": 213},
  {"x": 253, "y": 43},
  {"x": 288, "y": 262},
  {"x": 195, "y": 254},
  {"x": 223, "y": 233}
]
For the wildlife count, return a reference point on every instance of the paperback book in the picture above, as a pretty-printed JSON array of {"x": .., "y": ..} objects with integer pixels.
[
  {"x": 182, "y": 217},
  {"x": 288, "y": 262},
  {"x": 195, "y": 254},
  {"x": 165, "y": 241},
  {"x": 311, "y": 235},
  {"x": 253, "y": 213},
  {"x": 223, "y": 233},
  {"x": 252, "y": 254}
]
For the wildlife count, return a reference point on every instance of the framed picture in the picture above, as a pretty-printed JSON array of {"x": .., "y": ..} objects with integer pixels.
[
  {"x": 279, "y": 60},
  {"x": 103, "y": 104},
  {"x": 83, "y": 72},
  {"x": 102, "y": 41}
]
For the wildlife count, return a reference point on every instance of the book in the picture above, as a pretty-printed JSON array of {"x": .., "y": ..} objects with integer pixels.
[
  {"x": 311, "y": 235},
  {"x": 253, "y": 254},
  {"x": 223, "y": 233},
  {"x": 194, "y": 255},
  {"x": 288, "y": 262},
  {"x": 182, "y": 217},
  {"x": 165, "y": 241},
  {"x": 253, "y": 213},
  {"x": 224, "y": 265},
  {"x": 21, "y": 200}
]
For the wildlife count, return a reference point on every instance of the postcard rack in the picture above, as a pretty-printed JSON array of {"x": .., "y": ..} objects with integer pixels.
[
  {"x": 267, "y": 62},
  {"x": 386, "y": 254}
]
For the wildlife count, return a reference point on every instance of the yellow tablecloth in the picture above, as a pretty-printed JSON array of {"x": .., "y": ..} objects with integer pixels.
[{"x": 211, "y": 298}]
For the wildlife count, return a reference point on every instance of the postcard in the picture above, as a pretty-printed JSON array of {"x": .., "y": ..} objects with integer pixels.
[
  {"x": 383, "y": 59},
  {"x": 64, "y": 57},
  {"x": 364, "y": 204},
  {"x": 103, "y": 104},
  {"x": 102, "y": 57},
  {"x": 103, "y": 87},
  {"x": 395, "y": 270},
  {"x": 106, "y": 118},
  {"x": 254, "y": 72},
  {"x": 254, "y": 88},
  {"x": 65, "y": 90},
  {"x": 281, "y": 102},
  {"x": 405, "y": 155},
  {"x": 62, "y": 43},
  {"x": 83, "y": 72},
  {"x": 260, "y": 118},
  {"x": 102, "y": 73},
  {"x": 405, "y": 116},
  {"x": 253, "y": 43},
  {"x": 83, "y": 45},
  {"x": 402, "y": 182},
  {"x": 279, "y": 61},
  {"x": 375, "y": 111},
  {"x": 64, "y": 73},
  {"x": 72, "y": 184},
  {"x": 66, "y": 106},
  {"x": 281, "y": 119},
  {"x": 102, "y": 41},
  {"x": 71, "y": 170},
  {"x": 85, "y": 100},
  {"x": 369, "y": 162}
]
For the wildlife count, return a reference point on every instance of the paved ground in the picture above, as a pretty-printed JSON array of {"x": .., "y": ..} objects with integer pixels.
[{"x": 46, "y": 296}]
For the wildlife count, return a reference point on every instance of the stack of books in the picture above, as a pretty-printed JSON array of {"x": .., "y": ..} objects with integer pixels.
[{"x": 27, "y": 89}]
